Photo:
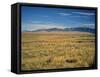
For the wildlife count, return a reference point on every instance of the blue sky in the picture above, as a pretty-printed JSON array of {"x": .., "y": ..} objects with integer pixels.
[{"x": 33, "y": 18}]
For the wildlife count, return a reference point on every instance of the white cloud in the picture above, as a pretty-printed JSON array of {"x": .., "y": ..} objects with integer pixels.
[
  {"x": 31, "y": 27},
  {"x": 84, "y": 13},
  {"x": 89, "y": 25},
  {"x": 64, "y": 14}
]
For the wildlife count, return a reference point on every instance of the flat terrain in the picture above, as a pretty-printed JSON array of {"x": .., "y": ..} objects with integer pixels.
[{"x": 53, "y": 50}]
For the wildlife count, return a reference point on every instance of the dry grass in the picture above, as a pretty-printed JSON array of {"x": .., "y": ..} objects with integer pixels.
[{"x": 53, "y": 50}]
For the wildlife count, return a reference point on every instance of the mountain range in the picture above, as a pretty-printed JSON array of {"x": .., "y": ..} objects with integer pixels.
[{"x": 80, "y": 29}]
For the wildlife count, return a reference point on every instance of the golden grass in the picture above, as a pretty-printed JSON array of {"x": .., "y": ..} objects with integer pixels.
[{"x": 54, "y": 50}]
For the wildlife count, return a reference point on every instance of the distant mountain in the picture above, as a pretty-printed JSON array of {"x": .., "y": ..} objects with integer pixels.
[
  {"x": 49, "y": 30},
  {"x": 80, "y": 29}
]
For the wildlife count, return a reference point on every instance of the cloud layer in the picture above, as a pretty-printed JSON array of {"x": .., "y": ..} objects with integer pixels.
[
  {"x": 32, "y": 27},
  {"x": 64, "y": 14},
  {"x": 84, "y": 13}
]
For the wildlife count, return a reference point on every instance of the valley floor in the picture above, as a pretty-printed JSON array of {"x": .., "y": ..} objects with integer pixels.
[{"x": 54, "y": 50}]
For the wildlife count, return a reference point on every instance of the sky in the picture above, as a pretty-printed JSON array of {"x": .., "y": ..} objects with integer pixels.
[{"x": 34, "y": 18}]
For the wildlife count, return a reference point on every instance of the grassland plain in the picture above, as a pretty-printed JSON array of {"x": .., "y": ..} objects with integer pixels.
[{"x": 54, "y": 50}]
